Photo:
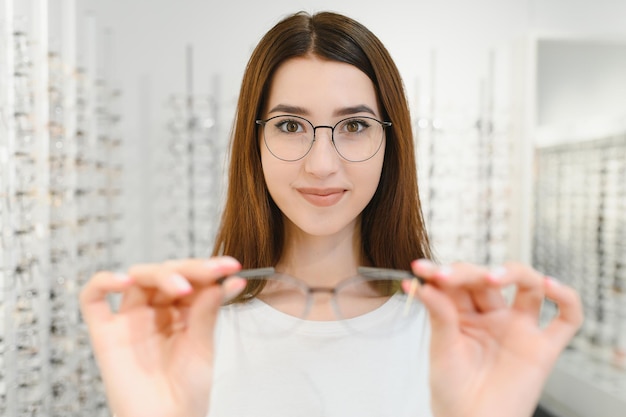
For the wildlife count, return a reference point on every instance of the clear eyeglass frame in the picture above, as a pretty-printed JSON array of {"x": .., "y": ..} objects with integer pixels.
[
  {"x": 341, "y": 144},
  {"x": 351, "y": 300}
]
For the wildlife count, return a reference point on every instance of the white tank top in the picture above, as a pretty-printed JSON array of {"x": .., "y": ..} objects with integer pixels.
[{"x": 320, "y": 368}]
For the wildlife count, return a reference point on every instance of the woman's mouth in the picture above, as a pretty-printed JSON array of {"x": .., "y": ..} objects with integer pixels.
[{"x": 322, "y": 197}]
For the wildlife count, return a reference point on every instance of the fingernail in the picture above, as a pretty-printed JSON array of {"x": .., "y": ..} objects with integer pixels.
[
  {"x": 444, "y": 272},
  {"x": 425, "y": 265},
  {"x": 410, "y": 286},
  {"x": 222, "y": 262},
  {"x": 121, "y": 276},
  {"x": 552, "y": 281},
  {"x": 181, "y": 283},
  {"x": 496, "y": 274}
]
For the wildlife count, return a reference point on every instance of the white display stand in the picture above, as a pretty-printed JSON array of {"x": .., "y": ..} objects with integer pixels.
[{"x": 59, "y": 191}]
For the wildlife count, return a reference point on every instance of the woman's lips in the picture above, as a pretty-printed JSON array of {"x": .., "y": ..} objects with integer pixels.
[{"x": 322, "y": 197}]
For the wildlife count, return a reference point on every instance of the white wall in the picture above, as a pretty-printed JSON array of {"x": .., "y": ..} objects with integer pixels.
[
  {"x": 582, "y": 17},
  {"x": 580, "y": 69},
  {"x": 580, "y": 81}
]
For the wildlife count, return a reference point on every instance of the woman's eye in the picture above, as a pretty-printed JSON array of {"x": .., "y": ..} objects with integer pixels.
[
  {"x": 355, "y": 126},
  {"x": 289, "y": 126},
  {"x": 352, "y": 126}
]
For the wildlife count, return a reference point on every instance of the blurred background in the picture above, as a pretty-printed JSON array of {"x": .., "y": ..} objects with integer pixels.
[{"x": 115, "y": 119}]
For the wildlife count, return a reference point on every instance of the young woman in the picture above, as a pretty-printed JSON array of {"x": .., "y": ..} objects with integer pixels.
[{"x": 323, "y": 182}]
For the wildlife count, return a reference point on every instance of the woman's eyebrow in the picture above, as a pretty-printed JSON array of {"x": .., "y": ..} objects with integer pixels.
[
  {"x": 286, "y": 108},
  {"x": 347, "y": 111},
  {"x": 344, "y": 111}
]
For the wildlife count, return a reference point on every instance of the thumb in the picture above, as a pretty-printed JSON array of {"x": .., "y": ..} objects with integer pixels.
[
  {"x": 444, "y": 318},
  {"x": 205, "y": 308},
  {"x": 203, "y": 316}
]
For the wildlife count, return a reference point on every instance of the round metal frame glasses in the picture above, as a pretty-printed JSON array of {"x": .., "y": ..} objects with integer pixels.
[
  {"x": 356, "y": 133},
  {"x": 350, "y": 300}
]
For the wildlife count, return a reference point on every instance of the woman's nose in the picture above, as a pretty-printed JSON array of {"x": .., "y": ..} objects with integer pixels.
[{"x": 322, "y": 160}]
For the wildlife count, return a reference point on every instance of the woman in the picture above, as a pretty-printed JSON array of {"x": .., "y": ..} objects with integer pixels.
[{"x": 322, "y": 181}]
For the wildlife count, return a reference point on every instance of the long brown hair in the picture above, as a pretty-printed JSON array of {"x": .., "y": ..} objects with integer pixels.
[{"x": 392, "y": 227}]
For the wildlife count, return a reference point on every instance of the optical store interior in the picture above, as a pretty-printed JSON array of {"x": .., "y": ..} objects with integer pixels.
[{"x": 115, "y": 119}]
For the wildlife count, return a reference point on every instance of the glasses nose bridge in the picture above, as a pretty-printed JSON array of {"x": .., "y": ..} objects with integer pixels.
[
  {"x": 332, "y": 131},
  {"x": 331, "y": 292},
  {"x": 327, "y": 290}
]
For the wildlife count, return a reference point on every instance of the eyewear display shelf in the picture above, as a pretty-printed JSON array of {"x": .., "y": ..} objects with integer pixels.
[
  {"x": 464, "y": 156},
  {"x": 465, "y": 181},
  {"x": 59, "y": 189},
  {"x": 194, "y": 161},
  {"x": 580, "y": 226}
]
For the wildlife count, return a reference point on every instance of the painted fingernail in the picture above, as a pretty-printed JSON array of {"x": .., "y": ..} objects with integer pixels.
[
  {"x": 496, "y": 274},
  {"x": 181, "y": 283}
]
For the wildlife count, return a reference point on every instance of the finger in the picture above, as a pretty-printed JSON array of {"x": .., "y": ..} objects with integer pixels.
[
  {"x": 136, "y": 296},
  {"x": 476, "y": 281},
  {"x": 488, "y": 299},
  {"x": 462, "y": 299},
  {"x": 199, "y": 271},
  {"x": 174, "y": 277},
  {"x": 163, "y": 283},
  {"x": 155, "y": 284},
  {"x": 203, "y": 316},
  {"x": 205, "y": 271},
  {"x": 458, "y": 274},
  {"x": 427, "y": 269},
  {"x": 529, "y": 286},
  {"x": 563, "y": 327},
  {"x": 93, "y": 297},
  {"x": 457, "y": 281},
  {"x": 443, "y": 315},
  {"x": 204, "y": 310}
]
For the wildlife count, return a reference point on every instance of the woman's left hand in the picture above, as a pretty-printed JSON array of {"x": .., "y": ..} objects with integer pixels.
[{"x": 490, "y": 358}]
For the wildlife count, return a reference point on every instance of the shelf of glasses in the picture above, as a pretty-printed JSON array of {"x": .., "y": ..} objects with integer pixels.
[{"x": 581, "y": 386}]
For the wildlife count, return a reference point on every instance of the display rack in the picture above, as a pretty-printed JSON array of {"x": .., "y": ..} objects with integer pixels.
[
  {"x": 190, "y": 194},
  {"x": 463, "y": 157},
  {"x": 580, "y": 225},
  {"x": 59, "y": 179}
]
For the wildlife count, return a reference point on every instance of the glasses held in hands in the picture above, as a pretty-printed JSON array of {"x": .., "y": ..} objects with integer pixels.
[{"x": 371, "y": 303}]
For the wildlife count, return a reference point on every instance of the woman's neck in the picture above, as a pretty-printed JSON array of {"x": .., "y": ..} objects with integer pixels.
[{"x": 321, "y": 260}]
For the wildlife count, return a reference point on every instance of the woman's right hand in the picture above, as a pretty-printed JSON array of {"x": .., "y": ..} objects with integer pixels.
[{"x": 156, "y": 352}]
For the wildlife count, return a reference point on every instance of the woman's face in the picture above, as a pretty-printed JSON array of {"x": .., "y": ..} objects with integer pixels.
[{"x": 321, "y": 194}]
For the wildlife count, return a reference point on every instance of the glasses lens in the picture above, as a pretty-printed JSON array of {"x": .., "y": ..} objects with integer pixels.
[
  {"x": 288, "y": 137},
  {"x": 375, "y": 306},
  {"x": 285, "y": 294},
  {"x": 280, "y": 304},
  {"x": 358, "y": 138}
]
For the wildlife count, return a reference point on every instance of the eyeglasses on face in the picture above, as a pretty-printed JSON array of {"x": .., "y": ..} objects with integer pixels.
[
  {"x": 290, "y": 138},
  {"x": 372, "y": 290}
]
